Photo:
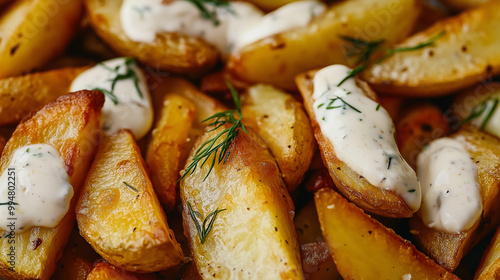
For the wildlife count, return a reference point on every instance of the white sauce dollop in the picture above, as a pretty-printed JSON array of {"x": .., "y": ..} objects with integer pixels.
[
  {"x": 238, "y": 25},
  {"x": 133, "y": 108},
  {"x": 451, "y": 200},
  {"x": 37, "y": 181},
  {"x": 362, "y": 134}
]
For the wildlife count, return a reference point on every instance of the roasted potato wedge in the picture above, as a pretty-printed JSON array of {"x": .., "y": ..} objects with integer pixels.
[
  {"x": 25, "y": 28},
  {"x": 448, "y": 249},
  {"x": 489, "y": 268},
  {"x": 283, "y": 124},
  {"x": 106, "y": 271},
  {"x": 171, "y": 52},
  {"x": 467, "y": 52},
  {"x": 278, "y": 59},
  {"x": 355, "y": 187},
  {"x": 254, "y": 237},
  {"x": 317, "y": 262},
  {"x": 22, "y": 95},
  {"x": 164, "y": 152},
  {"x": 363, "y": 248},
  {"x": 420, "y": 124},
  {"x": 75, "y": 136},
  {"x": 119, "y": 214}
]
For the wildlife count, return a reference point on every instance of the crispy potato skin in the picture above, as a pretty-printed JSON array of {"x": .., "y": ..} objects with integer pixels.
[
  {"x": 317, "y": 261},
  {"x": 254, "y": 237},
  {"x": 164, "y": 152},
  {"x": 420, "y": 125},
  {"x": 283, "y": 124},
  {"x": 174, "y": 52},
  {"x": 128, "y": 228},
  {"x": 22, "y": 95},
  {"x": 26, "y": 27},
  {"x": 448, "y": 65},
  {"x": 106, "y": 271},
  {"x": 76, "y": 137},
  {"x": 448, "y": 249},
  {"x": 278, "y": 59},
  {"x": 363, "y": 248},
  {"x": 489, "y": 268},
  {"x": 356, "y": 188}
]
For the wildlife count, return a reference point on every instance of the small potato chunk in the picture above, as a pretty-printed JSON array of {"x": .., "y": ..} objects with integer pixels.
[
  {"x": 173, "y": 52},
  {"x": 283, "y": 124},
  {"x": 164, "y": 150},
  {"x": 489, "y": 268},
  {"x": 363, "y": 248},
  {"x": 106, "y": 271},
  {"x": 447, "y": 249},
  {"x": 22, "y": 95},
  {"x": 276, "y": 60},
  {"x": 32, "y": 32},
  {"x": 355, "y": 187},
  {"x": 119, "y": 214},
  {"x": 76, "y": 137},
  {"x": 468, "y": 51},
  {"x": 254, "y": 237}
]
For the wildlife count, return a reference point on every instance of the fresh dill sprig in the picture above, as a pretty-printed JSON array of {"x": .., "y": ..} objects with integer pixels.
[
  {"x": 219, "y": 151},
  {"x": 203, "y": 230},
  {"x": 9, "y": 203},
  {"x": 368, "y": 48},
  {"x": 130, "y": 187},
  {"x": 480, "y": 109},
  {"x": 206, "y": 13},
  {"x": 129, "y": 74},
  {"x": 344, "y": 106}
]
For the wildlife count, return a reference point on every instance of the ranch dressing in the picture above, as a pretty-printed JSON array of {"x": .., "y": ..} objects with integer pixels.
[
  {"x": 451, "y": 200},
  {"x": 37, "y": 186},
  {"x": 236, "y": 25},
  {"x": 129, "y": 104},
  {"x": 362, "y": 134}
]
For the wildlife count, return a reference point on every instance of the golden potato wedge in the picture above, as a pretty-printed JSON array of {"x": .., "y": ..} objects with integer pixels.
[
  {"x": 283, "y": 124},
  {"x": 355, "y": 187},
  {"x": 75, "y": 136},
  {"x": 254, "y": 237},
  {"x": 448, "y": 249},
  {"x": 278, "y": 59},
  {"x": 363, "y": 248},
  {"x": 22, "y": 95},
  {"x": 164, "y": 152},
  {"x": 317, "y": 262},
  {"x": 420, "y": 124},
  {"x": 489, "y": 268},
  {"x": 173, "y": 52},
  {"x": 106, "y": 271},
  {"x": 72, "y": 267},
  {"x": 41, "y": 27},
  {"x": 467, "y": 52},
  {"x": 119, "y": 214}
]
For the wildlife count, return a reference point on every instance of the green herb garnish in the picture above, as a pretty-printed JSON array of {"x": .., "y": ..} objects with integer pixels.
[
  {"x": 219, "y": 151},
  {"x": 378, "y": 107},
  {"x": 343, "y": 106},
  {"x": 206, "y": 13},
  {"x": 480, "y": 109},
  {"x": 9, "y": 203},
  {"x": 203, "y": 230},
  {"x": 129, "y": 186}
]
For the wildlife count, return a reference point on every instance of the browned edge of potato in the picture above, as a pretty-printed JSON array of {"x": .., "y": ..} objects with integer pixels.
[
  {"x": 34, "y": 32},
  {"x": 489, "y": 267},
  {"x": 467, "y": 53},
  {"x": 355, "y": 187},
  {"x": 106, "y": 271},
  {"x": 174, "y": 52},
  {"x": 76, "y": 137},
  {"x": 363, "y": 248},
  {"x": 279, "y": 58},
  {"x": 317, "y": 262},
  {"x": 164, "y": 151},
  {"x": 21, "y": 95},
  {"x": 447, "y": 249},
  {"x": 283, "y": 124},
  {"x": 254, "y": 237},
  {"x": 119, "y": 214}
]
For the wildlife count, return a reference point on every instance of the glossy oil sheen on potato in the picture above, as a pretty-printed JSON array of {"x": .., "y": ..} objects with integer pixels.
[
  {"x": 126, "y": 225},
  {"x": 278, "y": 59},
  {"x": 75, "y": 136},
  {"x": 254, "y": 238},
  {"x": 448, "y": 249},
  {"x": 363, "y": 248}
]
